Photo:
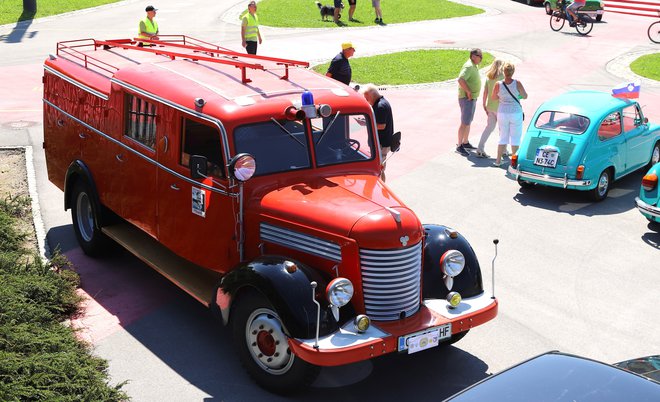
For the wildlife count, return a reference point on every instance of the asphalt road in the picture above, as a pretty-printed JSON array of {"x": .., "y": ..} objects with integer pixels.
[{"x": 571, "y": 275}]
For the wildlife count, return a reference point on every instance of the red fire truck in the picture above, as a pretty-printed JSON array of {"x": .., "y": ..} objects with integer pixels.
[{"x": 253, "y": 184}]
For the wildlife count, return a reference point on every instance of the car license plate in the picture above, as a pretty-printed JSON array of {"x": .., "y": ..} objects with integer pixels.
[
  {"x": 424, "y": 339},
  {"x": 546, "y": 158}
]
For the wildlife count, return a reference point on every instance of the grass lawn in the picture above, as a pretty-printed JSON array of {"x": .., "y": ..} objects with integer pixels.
[
  {"x": 647, "y": 66},
  {"x": 304, "y": 13},
  {"x": 11, "y": 11},
  {"x": 412, "y": 67}
]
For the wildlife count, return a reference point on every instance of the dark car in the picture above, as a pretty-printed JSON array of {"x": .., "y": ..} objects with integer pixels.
[{"x": 561, "y": 377}]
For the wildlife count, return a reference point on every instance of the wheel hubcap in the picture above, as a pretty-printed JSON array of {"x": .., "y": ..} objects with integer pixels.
[
  {"x": 85, "y": 217},
  {"x": 267, "y": 342},
  {"x": 656, "y": 155},
  {"x": 603, "y": 183}
]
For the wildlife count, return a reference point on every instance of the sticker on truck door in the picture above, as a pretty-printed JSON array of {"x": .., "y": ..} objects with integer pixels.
[{"x": 199, "y": 202}]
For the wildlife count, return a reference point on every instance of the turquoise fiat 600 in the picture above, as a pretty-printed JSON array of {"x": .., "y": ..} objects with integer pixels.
[
  {"x": 648, "y": 201},
  {"x": 584, "y": 140}
]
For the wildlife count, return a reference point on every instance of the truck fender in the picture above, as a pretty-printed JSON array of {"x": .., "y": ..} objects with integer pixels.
[
  {"x": 77, "y": 170},
  {"x": 286, "y": 284},
  {"x": 438, "y": 240}
]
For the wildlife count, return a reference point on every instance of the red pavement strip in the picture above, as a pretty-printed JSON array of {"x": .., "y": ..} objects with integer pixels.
[{"x": 427, "y": 117}]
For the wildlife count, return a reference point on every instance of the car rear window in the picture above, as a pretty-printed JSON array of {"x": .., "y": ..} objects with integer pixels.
[{"x": 562, "y": 121}]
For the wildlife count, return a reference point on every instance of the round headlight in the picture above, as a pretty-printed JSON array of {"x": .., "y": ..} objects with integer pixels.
[
  {"x": 452, "y": 262},
  {"x": 243, "y": 166},
  {"x": 339, "y": 292}
]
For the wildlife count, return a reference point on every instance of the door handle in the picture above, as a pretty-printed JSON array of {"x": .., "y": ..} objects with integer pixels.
[
  {"x": 166, "y": 144},
  {"x": 82, "y": 135},
  {"x": 60, "y": 122},
  {"x": 175, "y": 187},
  {"x": 119, "y": 157}
]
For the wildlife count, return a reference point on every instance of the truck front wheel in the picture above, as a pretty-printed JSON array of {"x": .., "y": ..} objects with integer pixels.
[
  {"x": 263, "y": 347},
  {"x": 85, "y": 219}
]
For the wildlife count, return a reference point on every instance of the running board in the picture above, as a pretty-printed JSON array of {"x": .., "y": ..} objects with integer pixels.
[{"x": 197, "y": 281}]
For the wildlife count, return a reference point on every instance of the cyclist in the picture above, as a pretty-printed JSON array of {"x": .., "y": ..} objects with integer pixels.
[{"x": 572, "y": 11}]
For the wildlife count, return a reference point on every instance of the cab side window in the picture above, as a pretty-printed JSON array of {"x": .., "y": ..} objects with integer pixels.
[
  {"x": 204, "y": 140},
  {"x": 632, "y": 117},
  {"x": 140, "y": 120},
  {"x": 610, "y": 126}
]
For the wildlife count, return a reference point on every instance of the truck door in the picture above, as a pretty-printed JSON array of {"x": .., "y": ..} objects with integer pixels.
[
  {"x": 197, "y": 218},
  {"x": 137, "y": 164}
]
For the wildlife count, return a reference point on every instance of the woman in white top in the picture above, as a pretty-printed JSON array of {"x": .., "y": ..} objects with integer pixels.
[{"x": 509, "y": 112}]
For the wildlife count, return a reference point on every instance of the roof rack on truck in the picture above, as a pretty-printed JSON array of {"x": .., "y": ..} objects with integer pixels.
[{"x": 186, "y": 47}]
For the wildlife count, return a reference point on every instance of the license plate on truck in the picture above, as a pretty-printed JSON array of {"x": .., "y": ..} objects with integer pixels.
[{"x": 424, "y": 339}]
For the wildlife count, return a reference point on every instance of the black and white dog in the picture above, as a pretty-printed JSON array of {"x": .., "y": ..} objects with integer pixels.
[{"x": 328, "y": 11}]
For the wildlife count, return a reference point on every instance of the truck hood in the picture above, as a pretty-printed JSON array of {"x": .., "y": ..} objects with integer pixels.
[{"x": 358, "y": 206}]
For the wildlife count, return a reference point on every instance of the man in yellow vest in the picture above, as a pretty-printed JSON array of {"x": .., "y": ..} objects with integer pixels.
[
  {"x": 148, "y": 26},
  {"x": 250, "y": 28}
]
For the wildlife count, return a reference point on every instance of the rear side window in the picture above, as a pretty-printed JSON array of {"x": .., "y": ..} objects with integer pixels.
[
  {"x": 140, "y": 120},
  {"x": 562, "y": 121},
  {"x": 610, "y": 126},
  {"x": 202, "y": 139}
]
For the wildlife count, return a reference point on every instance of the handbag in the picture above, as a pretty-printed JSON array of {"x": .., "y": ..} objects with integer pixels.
[{"x": 514, "y": 98}]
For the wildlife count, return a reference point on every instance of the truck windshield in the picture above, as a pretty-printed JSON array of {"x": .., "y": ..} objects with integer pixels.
[{"x": 281, "y": 145}]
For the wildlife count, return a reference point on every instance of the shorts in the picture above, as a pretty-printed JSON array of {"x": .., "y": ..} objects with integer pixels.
[
  {"x": 337, "y": 3},
  {"x": 511, "y": 127},
  {"x": 467, "y": 110},
  {"x": 375, "y": 3},
  {"x": 352, "y": 2}
]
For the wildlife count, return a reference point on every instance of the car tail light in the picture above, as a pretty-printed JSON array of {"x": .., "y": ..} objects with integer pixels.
[
  {"x": 650, "y": 181},
  {"x": 514, "y": 161},
  {"x": 579, "y": 172}
]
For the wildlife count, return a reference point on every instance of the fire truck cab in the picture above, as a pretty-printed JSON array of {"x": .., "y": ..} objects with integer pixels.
[{"x": 253, "y": 184}]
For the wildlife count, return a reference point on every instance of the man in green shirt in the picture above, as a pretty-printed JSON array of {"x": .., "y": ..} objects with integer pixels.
[{"x": 469, "y": 86}]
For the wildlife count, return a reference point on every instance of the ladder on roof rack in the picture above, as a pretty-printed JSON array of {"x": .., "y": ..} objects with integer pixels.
[{"x": 215, "y": 54}]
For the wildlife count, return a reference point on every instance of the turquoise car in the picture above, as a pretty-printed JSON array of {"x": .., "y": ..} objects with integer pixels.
[
  {"x": 648, "y": 201},
  {"x": 584, "y": 140}
]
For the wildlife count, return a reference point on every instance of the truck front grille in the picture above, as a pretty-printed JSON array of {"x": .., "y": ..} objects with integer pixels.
[{"x": 391, "y": 282}]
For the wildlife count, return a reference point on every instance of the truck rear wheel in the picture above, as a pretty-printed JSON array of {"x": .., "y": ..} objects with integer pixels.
[
  {"x": 263, "y": 347},
  {"x": 86, "y": 222}
]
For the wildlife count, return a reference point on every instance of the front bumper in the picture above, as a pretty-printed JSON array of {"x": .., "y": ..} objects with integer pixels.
[
  {"x": 564, "y": 182},
  {"x": 348, "y": 346},
  {"x": 647, "y": 209}
]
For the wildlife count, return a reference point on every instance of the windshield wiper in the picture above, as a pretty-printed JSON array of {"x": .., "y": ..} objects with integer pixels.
[
  {"x": 325, "y": 130},
  {"x": 287, "y": 131}
]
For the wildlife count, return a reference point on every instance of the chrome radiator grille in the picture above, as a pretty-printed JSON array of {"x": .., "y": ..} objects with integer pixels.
[{"x": 391, "y": 282}]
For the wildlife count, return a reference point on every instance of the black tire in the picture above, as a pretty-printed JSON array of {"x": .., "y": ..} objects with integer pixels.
[
  {"x": 455, "y": 338},
  {"x": 548, "y": 9},
  {"x": 654, "y": 32},
  {"x": 263, "y": 349},
  {"x": 599, "y": 17},
  {"x": 602, "y": 186},
  {"x": 86, "y": 220},
  {"x": 524, "y": 184},
  {"x": 584, "y": 26},
  {"x": 655, "y": 155},
  {"x": 557, "y": 21}
]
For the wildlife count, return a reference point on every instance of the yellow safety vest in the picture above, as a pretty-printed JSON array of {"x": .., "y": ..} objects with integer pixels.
[
  {"x": 151, "y": 26},
  {"x": 252, "y": 28}
]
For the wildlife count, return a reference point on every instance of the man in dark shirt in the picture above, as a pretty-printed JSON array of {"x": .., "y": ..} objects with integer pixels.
[
  {"x": 384, "y": 121},
  {"x": 339, "y": 68}
]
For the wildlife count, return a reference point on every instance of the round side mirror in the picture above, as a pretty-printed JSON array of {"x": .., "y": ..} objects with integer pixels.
[{"x": 242, "y": 167}]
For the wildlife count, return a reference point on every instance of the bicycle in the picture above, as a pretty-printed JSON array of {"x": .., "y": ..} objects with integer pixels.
[
  {"x": 583, "y": 25},
  {"x": 654, "y": 31}
]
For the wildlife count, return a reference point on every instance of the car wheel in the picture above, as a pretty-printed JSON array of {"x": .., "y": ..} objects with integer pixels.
[
  {"x": 602, "y": 186},
  {"x": 548, "y": 9},
  {"x": 455, "y": 338},
  {"x": 263, "y": 347},
  {"x": 524, "y": 184},
  {"x": 529, "y": 2},
  {"x": 599, "y": 17},
  {"x": 655, "y": 155},
  {"x": 86, "y": 223}
]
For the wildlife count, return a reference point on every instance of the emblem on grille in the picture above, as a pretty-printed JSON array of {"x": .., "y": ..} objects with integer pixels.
[{"x": 404, "y": 240}]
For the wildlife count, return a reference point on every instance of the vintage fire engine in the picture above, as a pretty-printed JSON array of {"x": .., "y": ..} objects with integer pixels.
[{"x": 253, "y": 184}]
